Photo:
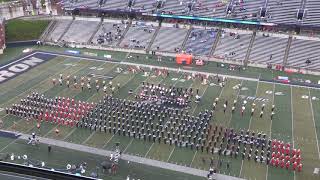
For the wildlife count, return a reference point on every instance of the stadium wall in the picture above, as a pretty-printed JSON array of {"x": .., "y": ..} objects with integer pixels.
[{"x": 2, "y": 36}]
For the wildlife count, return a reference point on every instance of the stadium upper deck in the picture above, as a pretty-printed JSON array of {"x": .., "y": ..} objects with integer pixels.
[{"x": 300, "y": 12}]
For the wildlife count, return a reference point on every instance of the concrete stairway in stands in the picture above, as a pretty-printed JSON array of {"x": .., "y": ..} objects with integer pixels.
[
  {"x": 186, "y": 38},
  {"x": 153, "y": 38},
  {"x": 125, "y": 32},
  {"x": 95, "y": 32},
  {"x": 65, "y": 31},
  {"x": 245, "y": 62},
  {"x": 218, "y": 35},
  {"x": 286, "y": 55}
]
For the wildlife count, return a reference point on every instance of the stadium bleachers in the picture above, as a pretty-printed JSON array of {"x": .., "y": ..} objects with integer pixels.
[
  {"x": 249, "y": 9},
  {"x": 233, "y": 46},
  {"x": 175, "y": 7},
  {"x": 58, "y": 30},
  {"x": 115, "y": 4},
  {"x": 268, "y": 49},
  {"x": 211, "y": 8},
  {"x": 313, "y": 13},
  {"x": 144, "y": 5},
  {"x": 169, "y": 39},
  {"x": 138, "y": 36},
  {"x": 302, "y": 50},
  {"x": 200, "y": 41},
  {"x": 80, "y": 4},
  {"x": 109, "y": 34},
  {"x": 283, "y": 12},
  {"x": 80, "y": 31},
  {"x": 278, "y": 11}
]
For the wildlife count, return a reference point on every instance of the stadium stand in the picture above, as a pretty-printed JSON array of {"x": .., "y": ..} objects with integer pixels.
[
  {"x": 283, "y": 12},
  {"x": 58, "y": 30},
  {"x": 276, "y": 11},
  {"x": 211, "y": 8},
  {"x": 87, "y": 29},
  {"x": 138, "y": 36},
  {"x": 144, "y": 5},
  {"x": 302, "y": 50},
  {"x": 200, "y": 41},
  {"x": 268, "y": 49},
  {"x": 109, "y": 34},
  {"x": 233, "y": 45},
  {"x": 115, "y": 4},
  {"x": 176, "y": 7},
  {"x": 249, "y": 9},
  {"x": 80, "y": 4},
  {"x": 169, "y": 39},
  {"x": 313, "y": 13}
]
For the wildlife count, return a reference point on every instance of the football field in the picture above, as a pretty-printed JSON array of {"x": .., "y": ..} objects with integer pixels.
[{"x": 296, "y": 120}]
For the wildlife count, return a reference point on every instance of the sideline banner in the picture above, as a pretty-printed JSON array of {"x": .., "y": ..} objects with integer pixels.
[
  {"x": 90, "y": 54},
  {"x": 72, "y": 52}
]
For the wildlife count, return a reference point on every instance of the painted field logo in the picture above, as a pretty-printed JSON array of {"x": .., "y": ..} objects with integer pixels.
[
  {"x": 22, "y": 65},
  {"x": 252, "y": 98}
]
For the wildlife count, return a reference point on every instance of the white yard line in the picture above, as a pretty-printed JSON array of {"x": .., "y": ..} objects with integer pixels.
[
  {"x": 8, "y": 144},
  {"x": 294, "y": 173},
  {"x": 314, "y": 124},
  {"x": 140, "y": 85},
  {"x": 86, "y": 140},
  {"x": 107, "y": 142},
  {"x": 196, "y": 106},
  {"x": 241, "y": 169},
  {"x": 292, "y": 118},
  {"x": 274, "y": 88},
  {"x": 128, "y": 145},
  {"x": 88, "y": 100},
  {"x": 4, "y": 116},
  {"x": 249, "y": 127},
  {"x": 66, "y": 137},
  {"x": 231, "y": 118},
  {"x": 194, "y": 156},
  {"x": 174, "y": 147},
  {"x": 127, "y": 55},
  {"x": 253, "y": 101},
  {"x": 237, "y": 100},
  {"x": 149, "y": 150},
  {"x": 194, "y": 110},
  {"x": 50, "y": 130},
  {"x": 113, "y": 135},
  {"x": 191, "y": 113}
]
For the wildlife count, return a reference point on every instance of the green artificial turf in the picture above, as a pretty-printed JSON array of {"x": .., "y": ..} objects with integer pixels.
[
  {"x": 22, "y": 30},
  {"x": 296, "y": 121}
]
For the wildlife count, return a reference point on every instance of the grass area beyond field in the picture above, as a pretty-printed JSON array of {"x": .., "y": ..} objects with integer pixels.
[{"x": 22, "y": 30}]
